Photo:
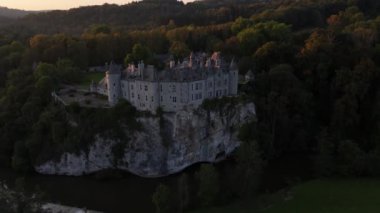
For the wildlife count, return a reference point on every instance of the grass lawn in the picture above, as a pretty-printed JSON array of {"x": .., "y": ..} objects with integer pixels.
[
  {"x": 92, "y": 76},
  {"x": 318, "y": 196}
]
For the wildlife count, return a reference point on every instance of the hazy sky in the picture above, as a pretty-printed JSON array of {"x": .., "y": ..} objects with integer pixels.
[{"x": 56, "y": 4}]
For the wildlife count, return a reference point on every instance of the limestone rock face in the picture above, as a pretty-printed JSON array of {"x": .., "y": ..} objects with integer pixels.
[{"x": 164, "y": 146}]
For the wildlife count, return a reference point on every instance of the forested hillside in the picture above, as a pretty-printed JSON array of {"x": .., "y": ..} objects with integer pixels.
[
  {"x": 316, "y": 64},
  {"x": 13, "y": 13},
  {"x": 138, "y": 15}
]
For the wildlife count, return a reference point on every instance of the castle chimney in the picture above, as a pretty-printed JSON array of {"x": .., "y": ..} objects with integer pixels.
[
  {"x": 191, "y": 59},
  {"x": 141, "y": 68},
  {"x": 172, "y": 64}
]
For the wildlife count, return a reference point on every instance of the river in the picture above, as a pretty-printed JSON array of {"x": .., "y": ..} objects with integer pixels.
[
  {"x": 116, "y": 195},
  {"x": 130, "y": 193}
]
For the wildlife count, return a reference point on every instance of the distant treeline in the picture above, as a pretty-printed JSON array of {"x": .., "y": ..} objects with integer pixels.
[{"x": 136, "y": 15}]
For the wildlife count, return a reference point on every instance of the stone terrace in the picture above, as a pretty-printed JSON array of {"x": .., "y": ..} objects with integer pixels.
[{"x": 71, "y": 94}]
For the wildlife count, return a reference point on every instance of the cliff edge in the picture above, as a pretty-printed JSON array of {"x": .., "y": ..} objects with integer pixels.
[{"x": 166, "y": 144}]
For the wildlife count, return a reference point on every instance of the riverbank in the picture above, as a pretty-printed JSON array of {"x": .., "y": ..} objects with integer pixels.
[
  {"x": 316, "y": 196},
  {"x": 56, "y": 208},
  {"x": 120, "y": 192}
]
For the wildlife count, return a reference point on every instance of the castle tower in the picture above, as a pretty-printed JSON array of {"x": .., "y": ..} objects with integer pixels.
[
  {"x": 93, "y": 87},
  {"x": 208, "y": 63},
  {"x": 113, "y": 77},
  {"x": 191, "y": 60},
  {"x": 216, "y": 59},
  {"x": 141, "y": 68},
  {"x": 233, "y": 78},
  {"x": 171, "y": 64}
]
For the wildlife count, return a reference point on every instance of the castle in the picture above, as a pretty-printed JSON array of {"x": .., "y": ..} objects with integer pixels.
[{"x": 179, "y": 86}]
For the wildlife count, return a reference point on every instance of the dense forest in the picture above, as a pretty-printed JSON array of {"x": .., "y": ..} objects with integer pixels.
[
  {"x": 316, "y": 88},
  {"x": 136, "y": 15}
]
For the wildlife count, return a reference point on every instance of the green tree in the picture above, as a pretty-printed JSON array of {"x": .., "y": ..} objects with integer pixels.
[
  {"x": 350, "y": 159},
  {"x": 139, "y": 53},
  {"x": 325, "y": 160},
  {"x": 99, "y": 28},
  {"x": 249, "y": 168},
  {"x": 20, "y": 159},
  {"x": 240, "y": 24},
  {"x": 162, "y": 199},
  {"x": 253, "y": 37},
  {"x": 179, "y": 50},
  {"x": 285, "y": 118},
  {"x": 208, "y": 179},
  {"x": 183, "y": 192},
  {"x": 45, "y": 69},
  {"x": 67, "y": 72},
  {"x": 44, "y": 86}
]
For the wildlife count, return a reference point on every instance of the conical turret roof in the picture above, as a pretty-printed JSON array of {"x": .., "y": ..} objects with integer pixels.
[{"x": 233, "y": 65}]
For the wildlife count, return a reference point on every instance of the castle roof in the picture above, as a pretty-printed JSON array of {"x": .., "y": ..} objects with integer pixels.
[
  {"x": 200, "y": 68},
  {"x": 233, "y": 65}
]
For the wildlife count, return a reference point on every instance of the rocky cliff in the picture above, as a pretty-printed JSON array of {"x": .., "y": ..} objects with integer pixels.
[{"x": 167, "y": 144}]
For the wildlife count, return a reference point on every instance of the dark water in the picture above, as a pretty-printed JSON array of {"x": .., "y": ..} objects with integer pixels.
[
  {"x": 130, "y": 193},
  {"x": 287, "y": 170},
  {"x": 127, "y": 193}
]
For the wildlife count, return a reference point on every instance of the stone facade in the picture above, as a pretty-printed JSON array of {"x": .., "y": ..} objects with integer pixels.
[{"x": 180, "y": 86}]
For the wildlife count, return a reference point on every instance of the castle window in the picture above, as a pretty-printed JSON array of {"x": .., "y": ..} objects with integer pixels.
[
  {"x": 174, "y": 99},
  {"x": 138, "y": 97},
  {"x": 133, "y": 95},
  {"x": 146, "y": 88},
  {"x": 140, "y": 87},
  {"x": 131, "y": 87},
  {"x": 114, "y": 84},
  {"x": 146, "y": 98},
  {"x": 174, "y": 89},
  {"x": 152, "y": 99}
]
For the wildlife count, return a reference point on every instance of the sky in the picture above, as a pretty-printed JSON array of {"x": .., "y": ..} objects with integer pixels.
[{"x": 57, "y": 4}]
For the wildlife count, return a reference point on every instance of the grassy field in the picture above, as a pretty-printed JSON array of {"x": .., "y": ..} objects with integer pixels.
[
  {"x": 89, "y": 77},
  {"x": 319, "y": 196}
]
